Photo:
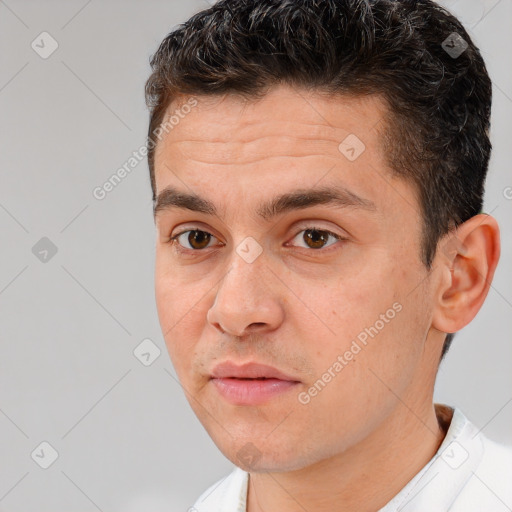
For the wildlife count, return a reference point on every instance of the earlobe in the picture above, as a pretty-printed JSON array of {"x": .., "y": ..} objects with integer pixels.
[{"x": 467, "y": 258}]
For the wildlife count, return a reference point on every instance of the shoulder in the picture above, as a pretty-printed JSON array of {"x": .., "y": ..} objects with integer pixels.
[
  {"x": 489, "y": 485},
  {"x": 226, "y": 495}
]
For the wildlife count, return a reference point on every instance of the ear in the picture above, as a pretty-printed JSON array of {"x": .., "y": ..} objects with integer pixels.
[{"x": 467, "y": 258}]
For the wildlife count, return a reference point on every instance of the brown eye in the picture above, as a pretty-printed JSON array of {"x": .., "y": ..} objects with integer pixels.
[
  {"x": 195, "y": 238},
  {"x": 315, "y": 238},
  {"x": 199, "y": 239}
]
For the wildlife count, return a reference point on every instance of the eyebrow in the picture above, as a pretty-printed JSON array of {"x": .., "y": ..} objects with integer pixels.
[{"x": 170, "y": 198}]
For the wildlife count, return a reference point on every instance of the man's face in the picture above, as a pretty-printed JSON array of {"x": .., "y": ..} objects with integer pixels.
[{"x": 333, "y": 296}]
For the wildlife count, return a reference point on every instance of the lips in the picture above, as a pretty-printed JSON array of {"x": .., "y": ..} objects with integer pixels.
[
  {"x": 249, "y": 371},
  {"x": 250, "y": 383}
]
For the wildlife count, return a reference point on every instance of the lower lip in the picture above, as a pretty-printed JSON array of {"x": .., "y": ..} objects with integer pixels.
[{"x": 252, "y": 391}]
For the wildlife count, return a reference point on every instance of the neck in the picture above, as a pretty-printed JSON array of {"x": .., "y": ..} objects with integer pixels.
[{"x": 363, "y": 478}]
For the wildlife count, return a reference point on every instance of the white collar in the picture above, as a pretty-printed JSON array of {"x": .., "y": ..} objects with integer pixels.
[{"x": 440, "y": 481}]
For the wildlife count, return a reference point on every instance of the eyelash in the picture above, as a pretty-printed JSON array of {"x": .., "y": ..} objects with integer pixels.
[{"x": 178, "y": 247}]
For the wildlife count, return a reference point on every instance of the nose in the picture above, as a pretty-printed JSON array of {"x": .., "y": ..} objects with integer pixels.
[{"x": 244, "y": 302}]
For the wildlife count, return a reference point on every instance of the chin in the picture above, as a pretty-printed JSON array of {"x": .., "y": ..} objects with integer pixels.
[{"x": 260, "y": 455}]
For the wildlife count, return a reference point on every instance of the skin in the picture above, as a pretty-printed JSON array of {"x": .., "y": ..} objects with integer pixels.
[{"x": 297, "y": 308}]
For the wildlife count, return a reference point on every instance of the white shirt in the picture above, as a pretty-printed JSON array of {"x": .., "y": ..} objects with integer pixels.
[{"x": 468, "y": 473}]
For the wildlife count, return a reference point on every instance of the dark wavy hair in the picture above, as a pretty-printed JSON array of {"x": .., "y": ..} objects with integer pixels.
[{"x": 437, "y": 129}]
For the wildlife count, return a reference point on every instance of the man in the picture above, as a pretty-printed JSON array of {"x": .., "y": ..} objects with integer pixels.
[{"x": 317, "y": 170}]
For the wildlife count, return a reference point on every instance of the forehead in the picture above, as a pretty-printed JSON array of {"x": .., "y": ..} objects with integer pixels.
[
  {"x": 287, "y": 139},
  {"x": 284, "y": 111}
]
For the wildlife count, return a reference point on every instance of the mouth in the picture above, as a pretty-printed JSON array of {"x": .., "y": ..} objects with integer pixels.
[{"x": 250, "y": 383}]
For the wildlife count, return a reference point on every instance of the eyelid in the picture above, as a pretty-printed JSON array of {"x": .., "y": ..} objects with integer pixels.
[
  {"x": 192, "y": 227},
  {"x": 312, "y": 224}
]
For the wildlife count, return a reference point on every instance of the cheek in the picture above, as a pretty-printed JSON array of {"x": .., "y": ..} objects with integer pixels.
[
  {"x": 367, "y": 319},
  {"x": 172, "y": 289},
  {"x": 355, "y": 368},
  {"x": 180, "y": 313},
  {"x": 353, "y": 303}
]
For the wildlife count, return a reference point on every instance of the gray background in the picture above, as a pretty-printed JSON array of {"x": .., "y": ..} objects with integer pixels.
[{"x": 126, "y": 438}]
